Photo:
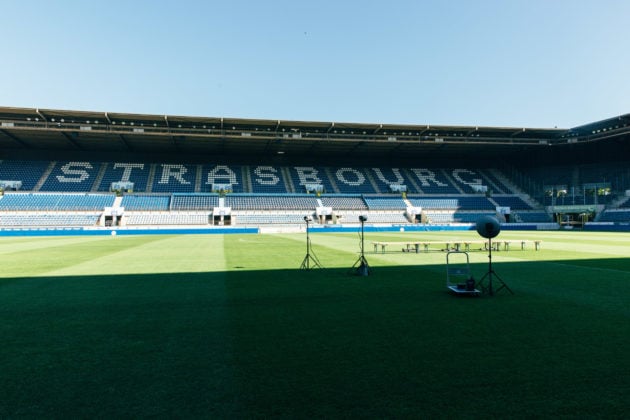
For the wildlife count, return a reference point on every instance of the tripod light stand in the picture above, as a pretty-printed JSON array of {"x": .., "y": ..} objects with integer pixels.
[
  {"x": 310, "y": 260},
  {"x": 361, "y": 266},
  {"x": 489, "y": 227}
]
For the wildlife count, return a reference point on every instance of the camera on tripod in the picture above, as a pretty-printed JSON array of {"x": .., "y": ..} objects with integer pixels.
[
  {"x": 361, "y": 267},
  {"x": 310, "y": 260}
]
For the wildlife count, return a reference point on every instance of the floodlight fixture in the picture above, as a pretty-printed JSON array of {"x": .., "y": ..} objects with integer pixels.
[{"x": 488, "y": 227}]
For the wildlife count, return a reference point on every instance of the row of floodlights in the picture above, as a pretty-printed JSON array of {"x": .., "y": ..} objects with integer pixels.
[
  {"x": 603, "y": 130},
  {"x": 599, "y": 130},
  {"x": 96, "y": 122},
  {"x": 404, "y": 133},
  {"x": 571, "y": 134}
]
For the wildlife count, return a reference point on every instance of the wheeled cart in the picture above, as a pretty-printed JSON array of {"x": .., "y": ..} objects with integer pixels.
[{"x": 459, "y": 279}]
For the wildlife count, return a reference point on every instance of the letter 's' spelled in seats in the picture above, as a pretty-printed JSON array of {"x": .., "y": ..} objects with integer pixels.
[
  {"x": 267, "y": 180},
  {"x": 74, "y": 176}
]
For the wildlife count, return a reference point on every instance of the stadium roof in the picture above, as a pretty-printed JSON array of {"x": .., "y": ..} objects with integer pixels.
[{"x": 31, "y": 129}]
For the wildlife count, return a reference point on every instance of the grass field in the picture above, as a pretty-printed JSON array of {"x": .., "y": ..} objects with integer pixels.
[{"x": 228, "y": 326}]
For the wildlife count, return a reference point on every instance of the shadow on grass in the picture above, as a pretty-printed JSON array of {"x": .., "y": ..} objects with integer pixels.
[{"x": 324, "y": 342}]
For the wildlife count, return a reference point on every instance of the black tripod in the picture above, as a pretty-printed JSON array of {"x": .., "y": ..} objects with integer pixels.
[
  {"x": 490, "y": 275},
  {"x": 361, "y": 266},
  {"x": 310, "y": 260}
]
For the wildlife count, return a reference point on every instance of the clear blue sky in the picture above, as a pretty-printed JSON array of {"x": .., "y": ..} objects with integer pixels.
[{"x": 517, "y": 63}]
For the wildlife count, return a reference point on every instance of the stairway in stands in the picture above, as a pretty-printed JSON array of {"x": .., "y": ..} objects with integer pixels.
[{"x": 514, "y": 189}]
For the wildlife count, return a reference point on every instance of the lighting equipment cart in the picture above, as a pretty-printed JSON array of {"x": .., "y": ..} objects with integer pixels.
[{"x": 459, "y": 279}]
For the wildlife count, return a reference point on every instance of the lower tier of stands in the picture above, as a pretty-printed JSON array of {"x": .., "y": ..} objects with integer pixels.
[
  {"x": 102, "y": 209},
  {"x": 166, "y": 218},
  {"x": 16, "y": 219},
  {"x": 616, "y": 215},
  {"x": 267, "y": 218},
  {"x": 55, "y": 202},
  {"x": 455, "y": 217},
  {"x": 28, "y": 219},
  {"x": 292, "y": 218},
  {"x": 531, "y": 217}
]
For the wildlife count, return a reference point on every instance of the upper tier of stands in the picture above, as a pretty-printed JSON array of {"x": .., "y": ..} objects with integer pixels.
[
  {"x": 577, "y": 199},
  {"x": 116, "y": 172},
  {"x": 70, "y": 177},
  {"x": 302, "y": 176},
  {"x": 617, "y": 174},
  {"x": 29, "y": 172},
  {"x": 93, "y": 176},
  {"x": 574, "y": 184}
]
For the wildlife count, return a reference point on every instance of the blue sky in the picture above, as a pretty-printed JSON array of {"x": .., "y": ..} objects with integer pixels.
[{"x": 517, "y": 63}]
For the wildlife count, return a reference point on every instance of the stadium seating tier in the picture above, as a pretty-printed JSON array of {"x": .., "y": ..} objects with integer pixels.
[{"x": 444, "y": 194}]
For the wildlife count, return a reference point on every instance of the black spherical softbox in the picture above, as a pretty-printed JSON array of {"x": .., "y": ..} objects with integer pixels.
[{"x": 488, "y": 226}]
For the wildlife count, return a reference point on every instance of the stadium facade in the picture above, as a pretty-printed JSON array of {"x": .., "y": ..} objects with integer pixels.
[{"x": 95, "y": 170}]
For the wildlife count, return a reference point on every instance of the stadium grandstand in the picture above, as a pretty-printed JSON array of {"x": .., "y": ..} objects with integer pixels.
[{"x": 96, "y": 170}]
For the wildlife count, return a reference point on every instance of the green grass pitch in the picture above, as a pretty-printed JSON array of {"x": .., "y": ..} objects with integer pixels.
[{"x": 227, "y": 326}]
